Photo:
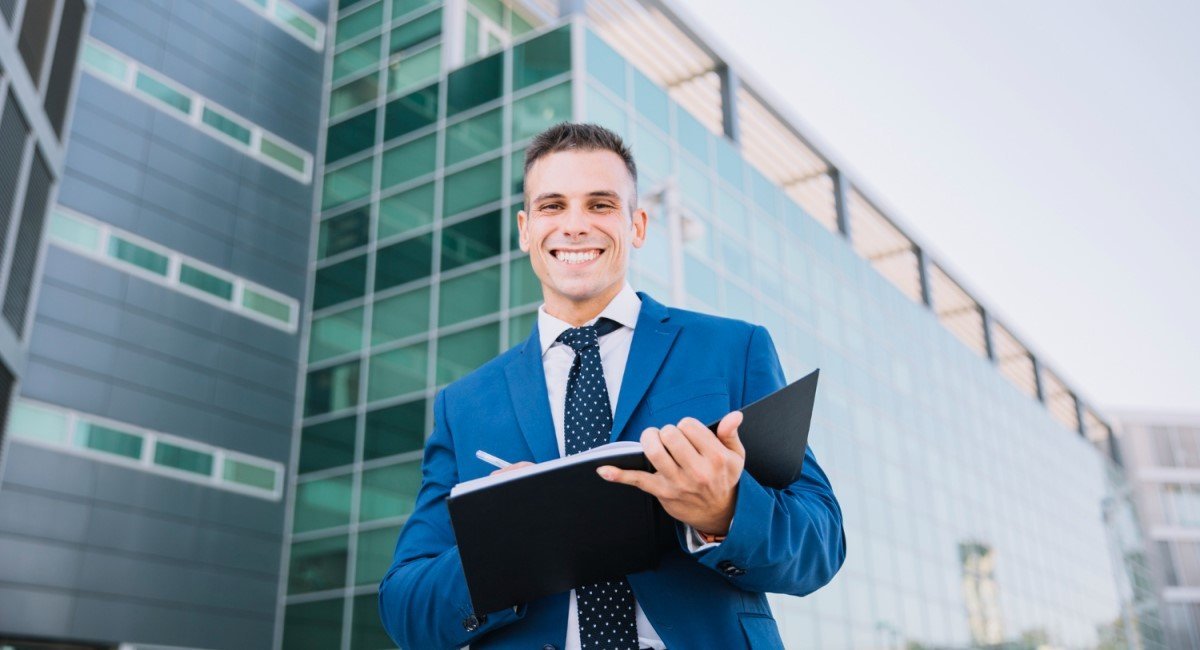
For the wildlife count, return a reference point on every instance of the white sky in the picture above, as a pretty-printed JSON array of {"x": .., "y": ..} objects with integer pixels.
[{"x": 1045, "y": 152}]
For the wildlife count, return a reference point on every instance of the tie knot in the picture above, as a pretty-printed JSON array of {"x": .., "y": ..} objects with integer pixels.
[{"x": 582, "y": 338}]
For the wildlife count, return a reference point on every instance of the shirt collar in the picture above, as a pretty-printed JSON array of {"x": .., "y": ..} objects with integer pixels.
[{"x": 623, "y": 308}]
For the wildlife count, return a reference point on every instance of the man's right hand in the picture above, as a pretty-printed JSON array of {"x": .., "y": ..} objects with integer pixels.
[{"x": 510, "y": 468}]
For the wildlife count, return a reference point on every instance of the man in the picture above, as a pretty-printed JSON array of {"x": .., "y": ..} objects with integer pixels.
[{"x": 664, "y": 372}]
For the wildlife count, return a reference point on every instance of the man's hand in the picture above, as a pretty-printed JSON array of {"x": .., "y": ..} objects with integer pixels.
[
  {"x": 510, "y": 468},
  {"x": 697, "y": 472}
]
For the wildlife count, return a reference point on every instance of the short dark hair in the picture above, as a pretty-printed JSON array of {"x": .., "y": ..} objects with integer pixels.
[{"x": 583, "y": 137}]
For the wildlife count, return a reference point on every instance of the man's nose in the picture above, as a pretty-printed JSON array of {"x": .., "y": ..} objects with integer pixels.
[{"x": 574, "y": 222}]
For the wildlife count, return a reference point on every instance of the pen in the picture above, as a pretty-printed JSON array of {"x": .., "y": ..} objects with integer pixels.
[{"x": 491, "y": 460}]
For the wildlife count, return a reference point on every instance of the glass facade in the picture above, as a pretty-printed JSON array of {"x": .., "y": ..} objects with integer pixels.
[{"x": 972, "y": 515}]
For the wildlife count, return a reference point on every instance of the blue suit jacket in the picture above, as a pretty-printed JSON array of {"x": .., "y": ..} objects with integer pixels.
[{"x": 680, "y": 364}]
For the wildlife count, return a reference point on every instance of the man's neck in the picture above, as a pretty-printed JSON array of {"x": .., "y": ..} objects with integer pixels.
[{"x": 578, "y": 313}]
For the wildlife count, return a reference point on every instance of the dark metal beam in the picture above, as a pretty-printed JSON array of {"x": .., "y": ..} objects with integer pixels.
[
  {"x": 987, "y": 334},
  {"x": 923, "y": 277},
  {"x": 730, "y": 82},
  {"x": 841, "y": 201}
]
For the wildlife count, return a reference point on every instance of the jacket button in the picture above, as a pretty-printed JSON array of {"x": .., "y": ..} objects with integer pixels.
[
  {"x": 549, "y": 646},
  {"x": 472, "y": 622}
]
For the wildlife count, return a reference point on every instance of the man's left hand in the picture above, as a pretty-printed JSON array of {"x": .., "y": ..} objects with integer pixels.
[{"x": 696, "y": 475}]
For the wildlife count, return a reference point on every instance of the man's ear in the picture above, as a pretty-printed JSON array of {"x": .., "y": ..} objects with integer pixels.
[
  {"x": 523, "y": 229},
  {"x": 638, "y": 222}
]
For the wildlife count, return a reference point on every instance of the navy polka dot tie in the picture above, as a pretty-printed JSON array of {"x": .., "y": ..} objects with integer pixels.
[{"x": 607, "y": 618}]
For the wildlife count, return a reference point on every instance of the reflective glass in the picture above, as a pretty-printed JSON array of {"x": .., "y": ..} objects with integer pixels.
[
  {"x": 344, "y": 232},
  {"x": 318, "y": 564},
  {"x": 729, "y": 163},
  {"x": 605, "y": 112},
  {"x": 470, "y": 296},
  {"x": 406, "y": 211},
  {"x": 655, "y": 254},
  {"x": 406, "y": 261},
  {"x": 518, "y": 176},
  {"x": 374, "y": 556},
  {"x": 651, "y": 101},
  {"x": 301, "y": 23},
  {"x": 205, "y": 281},
  {"x": 409, "y": 161},
  {"x": 414, "y": 69},
  {"x": 605, "y": 65},
  {"x": 734, "y": 259},
  {"x": 474, "y": 137},
  {"x": 355, "y": 93},
  {"x": 691, "y": 134},
  {"x": 366, "y": 630},
  {"x": 261, "y": 303},
  {"x": 417, "y": 31},
  {"x": 225, "y": 124},
  {"x": 65, "y": 228},
  {"x": 331, "y": 389},
  {"x": 399, "y": 316},
  {"x": 539, "y": 111},
  {"x": 404, "y": 7},
  {"x": 389, "y": 491},
  {"x": 732, "y": 212},
  {"x": 524, "y": 288},
  {"x": 397, "y": 372},
  {"x": 335, "y": 334},
  {"x": 253, "y": 475},
  {"x": 101, "y": 61},
  {"x": 279, "y": 152},
  {"x": 137, "y": 255},
  {"x": 541, "y": 58},
  {"x": 183, "y": 458},
  {"x": 328, "y": 444},
  {"x": 411, "y": 112},
  {"x": 472, "y": 187},
  {"x": 395, "y": 430},
  {"x": 340, "y": 282},
  {"x": 514, "y": 231},
  {"x": 34, "y": 422},
  {"x": 111, "y": 441},
  {"x": 739, "y": 303},
  {"x": 459, "y": 354},
  {"x": 700, "y": 280},
  {"x": 520, "y": 328},
  {"x": 764, "y": 192},
  {"x": 471, "y": 240},
  {"x": 351, "y": 136},
  {"x": 313, "y": 626},
  {"x": 493, "y": 9},
  {"x": 163, "y": 93},
  {"x": 475, "y": 84},
  {"x": 347, "y": 184},
  {"x": 323, "y": 503},
  {"x": 359, "y": 23},
  {"x": 355, "y": 59},
  {"x": 696, "y": 185},
  {"x": 653, "y": 156}
]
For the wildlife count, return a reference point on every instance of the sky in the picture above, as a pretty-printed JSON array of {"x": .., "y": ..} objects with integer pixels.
[{"x": 1044, "y": 152}]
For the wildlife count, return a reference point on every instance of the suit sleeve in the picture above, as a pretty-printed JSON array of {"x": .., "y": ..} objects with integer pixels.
[
  {"x": 423, "y": 599},
  {"x": 781, "y": 541}
]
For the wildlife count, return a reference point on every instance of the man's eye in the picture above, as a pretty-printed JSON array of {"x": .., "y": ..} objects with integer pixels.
[
  {"x": 603, "y": 206},
  {"x": 550, "y": 206}
]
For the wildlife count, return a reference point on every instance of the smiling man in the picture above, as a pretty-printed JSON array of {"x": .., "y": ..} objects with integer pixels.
[{"x": 665, "y": 371}]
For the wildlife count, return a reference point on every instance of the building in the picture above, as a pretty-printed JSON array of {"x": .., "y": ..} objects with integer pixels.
[
  {"x": 1162, "y": 456},
  {"x": 142, "y": 493},
  {"x": 240, "y": 328}
]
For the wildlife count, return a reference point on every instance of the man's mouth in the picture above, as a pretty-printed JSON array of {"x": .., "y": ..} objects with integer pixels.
[{"x": 582, "y": 256}]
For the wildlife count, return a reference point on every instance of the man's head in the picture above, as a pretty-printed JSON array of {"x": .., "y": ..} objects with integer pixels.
[{"x": 580, "y": 218}]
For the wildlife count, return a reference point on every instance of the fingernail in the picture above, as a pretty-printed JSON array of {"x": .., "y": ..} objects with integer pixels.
[{"x": 605, "y": 473}]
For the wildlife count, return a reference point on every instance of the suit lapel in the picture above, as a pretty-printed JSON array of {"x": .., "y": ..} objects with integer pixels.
[
  {"x": 527, "y": 388},
  {"x": 652, "y": 340}
]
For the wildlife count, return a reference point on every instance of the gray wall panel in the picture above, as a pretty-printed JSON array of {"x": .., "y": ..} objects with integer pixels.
[
  {"x": 39, "y": 562},
  {"x": 36, "y": 611},
  {"x": 23, "y": 512}
]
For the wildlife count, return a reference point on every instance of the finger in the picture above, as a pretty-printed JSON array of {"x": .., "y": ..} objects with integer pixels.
[
  {"x": 644, "y": 481},
  {"x": 511, "y": 467},
  {"x": 702, "y": 438},
  {"x": 681, "y": 449},
  {"x": 727, "y": 433},
  {"x": 658, "y": 456}
]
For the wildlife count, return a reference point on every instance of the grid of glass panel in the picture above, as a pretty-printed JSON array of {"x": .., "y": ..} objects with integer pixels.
[
  {"x": 115, "y": 442},
  {"x": 292, "y": 20},
  {"x": 941, "y": 466}
]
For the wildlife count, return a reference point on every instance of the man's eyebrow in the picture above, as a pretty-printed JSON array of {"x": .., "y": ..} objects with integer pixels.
[
  {"x": 601, "y": 194},
  {"x": 605, "y": 194},
  {"x": 548, "y": 195}
]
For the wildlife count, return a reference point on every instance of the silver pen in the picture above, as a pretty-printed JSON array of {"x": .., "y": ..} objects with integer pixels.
[{"x": 491, "y": 460}]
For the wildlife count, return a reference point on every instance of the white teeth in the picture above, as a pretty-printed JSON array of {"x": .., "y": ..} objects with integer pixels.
[{"x": 571, "y": 257}]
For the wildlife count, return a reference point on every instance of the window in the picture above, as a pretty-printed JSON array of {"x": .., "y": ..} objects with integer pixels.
[
  {"x": 103, "y": 63},
  {"x": 415, "y": 32},
  {"x": 653, "y": 156},
  {"x": 110, "y": 441},
  {"x": 395, "y": 430},
  {"x": 68, "y": 229},
  {"x": 351, "y": 136},
  {"x": 541, "y": 58},
  {"x": 729, "y": 163},
  {"x": 399, "y": 316},
  {"x": 605, "y": 65},
  {"x": 540, "y": 111},
  {"x": 359, "y": 23},
  {"x": 163, "y": 93},
  {"x": 411, "y": 112},
  {"x": 297, "y": 21},
  {"x": 406, "y": 211},
  {"x": 404, "y": 7},
  {"x": 520, "y": 327},
  {"x": 474, "y": 137},
  {"x": 326, "y": 445},
  {"x": 471, "y": 241},
  {"x": 318, "y": 564},
  {"x": 404, "y": 262},
  {"x": 524, "y": 288},
  {"x": 409, "y": 161},
  {"x": 469, "y": 296},
  {"x": 138, "y": 256},
  {"x": 225, "y": 124},
  {"x": 344, "y": 232},
  {"x": 261, "y": 303},
  {"x": 472, "y": 187},
  {"x": 340, "y": 282},
  {"x": 475, "y": 84},
  {"x": 459, "y": 354},
  {"x": 651, "y": 101},
  {"x": 605, "y": 112},
  {"x": 33, "y": 422},
  {"x": 313, "y": 625},
  {"x": 183, "y": 458},
  {"x": 397, "y": 372},
  {"x": 282, "y": 153},
  {"x": 366, "y": 633},
  {"x": 691, "y": 134},
  {"x": 335, "y": 334},
  {"x": 414, "y": 69},
  {"x": 331, "y": 389},
  {"x": 356, "y": 93},
  {"x": 323, "y": 503},
  {"x": 250, "y": 474},
  {"x": 389, "y": 491},
  {"x": 374, "y": 556},
  {"x": 205, "y": 281},
  {"x": 355, "y": 59},
  {"x": 347, "y": 184}
]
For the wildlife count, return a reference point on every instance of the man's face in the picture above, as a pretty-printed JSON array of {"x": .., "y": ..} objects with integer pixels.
[{"x": 578, "y": 227}]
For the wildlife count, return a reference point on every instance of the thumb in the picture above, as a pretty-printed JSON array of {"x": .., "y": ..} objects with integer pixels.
[{"x": 727, "y": 433}]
